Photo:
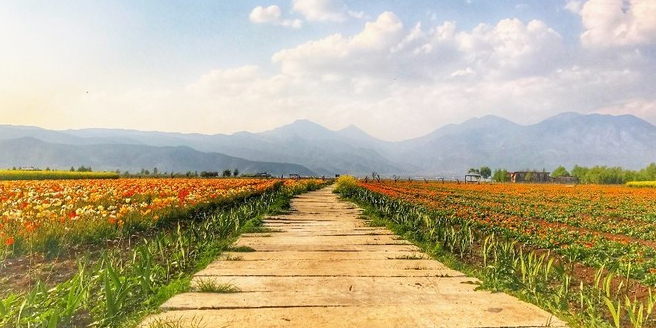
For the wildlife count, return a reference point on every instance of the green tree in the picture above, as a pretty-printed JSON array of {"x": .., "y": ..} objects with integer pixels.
[
  {"x": 83, "y": 168},
  {"x": 500, "y": 175},
  {"x": 226, "y": 173},
  {"x": 485, "y": 172},
  {"x": 474, "y": 171},
  {"x": 235, "y": 173},
  {"x": 581, "y": 173},
  {"x": 560, "y": 172},
  {"x": 648, "y": 173}
]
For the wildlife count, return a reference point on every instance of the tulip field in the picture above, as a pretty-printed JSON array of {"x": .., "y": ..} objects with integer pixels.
[
  {"x": 37, "y": 214},
  {"x": 586, "y": 251},
  {"x": 102, "y": 253}
]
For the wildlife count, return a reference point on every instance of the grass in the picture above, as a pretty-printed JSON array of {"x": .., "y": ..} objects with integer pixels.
[
  {"x": 54, "y": 175},
  {"x": 207, "y": 285},
  {"x": 408, "y": 257},
  {"x": 233, "y": 258},
  {"x": 176, "y": 323},
  {"x": 240, "y": 249}
]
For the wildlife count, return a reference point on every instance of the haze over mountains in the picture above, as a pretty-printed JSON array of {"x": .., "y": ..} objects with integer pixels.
[{"x": 307, "y": 148}]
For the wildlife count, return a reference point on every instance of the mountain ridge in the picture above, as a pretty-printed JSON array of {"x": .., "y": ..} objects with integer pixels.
[{"x": 565, "y": 139}]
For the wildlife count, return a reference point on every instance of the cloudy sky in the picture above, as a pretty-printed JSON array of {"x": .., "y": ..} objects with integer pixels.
[{"x": 396, "y": 69}]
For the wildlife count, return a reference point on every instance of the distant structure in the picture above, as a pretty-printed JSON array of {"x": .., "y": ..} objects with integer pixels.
[
  {"x": 565, "y": 180},
  {"x": 472, "y": 178},
  {"x": 529, "y": 176}
]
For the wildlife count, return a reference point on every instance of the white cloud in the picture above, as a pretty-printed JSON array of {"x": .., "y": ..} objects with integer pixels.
[
  {"x": 344, "y": 56},
  {"x": 356, "y": 14},
  {"x": 463, "y": 72},
  {"x": 322, "y": 10},
  {"x": 618, "y": 23},
  {"x": 574, "y": 6},
  {"x": 393, "y": 80},
  {"x": 271, "y": 15},
  {"x": 643, "y": 108}
]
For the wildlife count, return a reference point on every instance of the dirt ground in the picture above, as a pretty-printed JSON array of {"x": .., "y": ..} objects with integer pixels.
[{"x": 322, "y": 266}]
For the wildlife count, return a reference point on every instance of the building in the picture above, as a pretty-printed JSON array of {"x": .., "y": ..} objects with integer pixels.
[{"x": 529, "y": 176}]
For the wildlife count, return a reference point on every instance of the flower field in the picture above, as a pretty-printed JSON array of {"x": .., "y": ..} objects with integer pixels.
[
  {"x": 587, "y": 252},
  {"x": 104, "y": 253},
  {"x": 599, "y": 225},
  {"x": 37, "y": 212}
]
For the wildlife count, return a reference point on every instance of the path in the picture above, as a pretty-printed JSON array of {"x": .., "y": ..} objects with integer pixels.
[{"x": 322, "y": 266}]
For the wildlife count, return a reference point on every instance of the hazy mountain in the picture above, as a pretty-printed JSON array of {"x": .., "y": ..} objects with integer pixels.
[
  {"x": 567, "y": 139},
  {"x": 38, "y": 153}
]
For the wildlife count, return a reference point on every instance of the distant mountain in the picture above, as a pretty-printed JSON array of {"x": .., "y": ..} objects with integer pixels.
[
  {"x": 38, "y": 153},
  {"x": 567, "y": 139}
]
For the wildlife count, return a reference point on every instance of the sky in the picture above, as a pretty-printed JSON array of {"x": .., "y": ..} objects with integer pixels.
[{"x": 396, "y": 69}]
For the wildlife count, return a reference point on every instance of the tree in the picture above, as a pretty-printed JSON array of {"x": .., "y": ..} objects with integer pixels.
[
  {"x": 82, "y": 168},
  {"x": 72, "y": 169},
  {"x": 559, "y": 172},
  {"x": 500, "y": 175},
  {"x": 226, "y": 173},
  {"x": 474, "y": 171},
  {"x": 155, "y": 171},
  {"x": 235, "y": 173},
  {"x": 648, "y": 173},
  {"x": 485, "y": 172}
]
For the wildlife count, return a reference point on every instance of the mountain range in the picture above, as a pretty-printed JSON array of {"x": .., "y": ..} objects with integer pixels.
[{"x": 306, "y": 148}]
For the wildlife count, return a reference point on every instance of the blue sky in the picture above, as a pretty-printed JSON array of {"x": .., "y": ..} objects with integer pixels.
[{"x": 397, "y": 69}]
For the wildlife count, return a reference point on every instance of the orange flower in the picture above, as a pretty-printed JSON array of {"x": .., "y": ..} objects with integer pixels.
[{"x": 9, "y": 241}]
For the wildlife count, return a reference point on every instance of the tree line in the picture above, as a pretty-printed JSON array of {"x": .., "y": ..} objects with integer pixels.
[{"x": 588, "y": 175}]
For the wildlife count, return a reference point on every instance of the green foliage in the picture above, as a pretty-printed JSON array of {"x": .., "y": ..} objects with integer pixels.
[
  {"x": 613, "y": 175},
  {"x": 55, "y": 175},
  {"x": 500, "y": 175},
  {"x": 559, "y": 172},
  {"x": 208, "y": 285},
  {"x": 226, "y": 173},
  {"x": 485, "y": 172},
  {"x": 83, "y": 168}
]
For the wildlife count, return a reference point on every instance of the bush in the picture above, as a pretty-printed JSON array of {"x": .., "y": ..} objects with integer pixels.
[
  {"x": 642, "y": 184},
  {"x": 346, "y": 184}
]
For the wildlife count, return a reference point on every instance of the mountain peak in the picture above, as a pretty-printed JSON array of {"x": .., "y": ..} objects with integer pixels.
[{"x": 297, "y": 128}]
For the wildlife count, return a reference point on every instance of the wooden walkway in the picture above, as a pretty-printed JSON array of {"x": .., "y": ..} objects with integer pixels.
[{"x": 322, "y": 266}]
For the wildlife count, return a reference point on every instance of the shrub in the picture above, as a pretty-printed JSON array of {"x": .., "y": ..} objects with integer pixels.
[{"x": 346, "y": 184}]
